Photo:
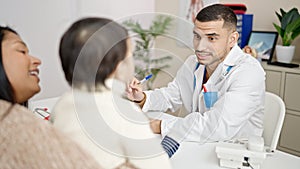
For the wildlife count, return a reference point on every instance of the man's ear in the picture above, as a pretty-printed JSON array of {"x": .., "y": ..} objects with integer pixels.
[{"x": 233, "y": 38}]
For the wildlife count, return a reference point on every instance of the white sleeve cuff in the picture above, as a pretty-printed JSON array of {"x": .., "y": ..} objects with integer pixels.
[
  {"x": 167, "y": 124},
  {"x": 147, "y": 104}
]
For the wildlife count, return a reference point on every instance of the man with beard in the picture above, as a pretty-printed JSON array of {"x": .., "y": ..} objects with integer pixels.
[{"x": 219, "y": 65}]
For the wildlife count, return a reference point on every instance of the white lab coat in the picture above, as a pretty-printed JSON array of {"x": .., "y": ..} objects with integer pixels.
[
  {"x": 238, "y": 112},
  {"x": 109, "y": 127}
]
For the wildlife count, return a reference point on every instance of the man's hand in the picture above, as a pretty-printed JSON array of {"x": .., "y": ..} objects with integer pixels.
[
  {"x": 155, "y": 126},
  {"x": 134, "y": 90}
]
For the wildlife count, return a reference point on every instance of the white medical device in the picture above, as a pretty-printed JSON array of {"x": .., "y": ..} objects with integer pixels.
[{"x": 241, "y": 154}]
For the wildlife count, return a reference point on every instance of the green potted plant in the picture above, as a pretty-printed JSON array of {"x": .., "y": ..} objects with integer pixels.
[
  {"x": 288, "y": 30},
  {"x": 146, "y": 62}
]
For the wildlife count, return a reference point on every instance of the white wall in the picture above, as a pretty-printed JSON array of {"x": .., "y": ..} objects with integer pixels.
[
  {"x": 264, "y": 16},
  {"x": 42, "y": 23}
]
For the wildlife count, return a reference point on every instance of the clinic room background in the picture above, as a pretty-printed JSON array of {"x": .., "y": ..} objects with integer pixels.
[{"x": 36, "y": 20}]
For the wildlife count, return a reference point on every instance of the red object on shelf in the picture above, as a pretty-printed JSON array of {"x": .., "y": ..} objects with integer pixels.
[{"x": 237, "y": 8}]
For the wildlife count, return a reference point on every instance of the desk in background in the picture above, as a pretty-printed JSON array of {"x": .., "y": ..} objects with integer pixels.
[{"x": 285, "y": 83}]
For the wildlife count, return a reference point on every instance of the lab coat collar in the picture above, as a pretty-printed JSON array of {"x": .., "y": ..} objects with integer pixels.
[
  {"x": 232, "y": 59},
  {"x": 233, "y": 56}
]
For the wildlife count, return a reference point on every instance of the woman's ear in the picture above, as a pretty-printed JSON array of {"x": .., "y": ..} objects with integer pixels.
[{"x": 234, "y": 36}]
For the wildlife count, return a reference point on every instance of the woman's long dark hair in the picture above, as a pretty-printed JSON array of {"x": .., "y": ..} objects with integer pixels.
[{"x": 6, "y": 91}]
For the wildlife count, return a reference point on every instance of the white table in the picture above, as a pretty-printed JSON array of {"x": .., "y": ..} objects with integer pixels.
[
  {"x": 191, "y": 155},
  {"x": 195, "y": 156}
]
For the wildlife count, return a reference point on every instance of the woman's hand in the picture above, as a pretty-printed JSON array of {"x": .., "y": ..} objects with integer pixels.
[{"x": 134, "y": 90}]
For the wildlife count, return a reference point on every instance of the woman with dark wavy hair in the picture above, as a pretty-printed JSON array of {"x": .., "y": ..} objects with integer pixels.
[
  {"x": 18, "y": 70},
  {"x": 26, "y": 140}
]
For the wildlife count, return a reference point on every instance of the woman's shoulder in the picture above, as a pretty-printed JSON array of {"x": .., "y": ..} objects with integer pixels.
[
  {"x": 9, "y": 110},
  {"x": 29, "y": 135}
]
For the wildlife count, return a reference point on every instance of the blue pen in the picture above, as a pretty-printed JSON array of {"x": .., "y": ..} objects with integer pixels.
[{"x": 145, "y": 79}]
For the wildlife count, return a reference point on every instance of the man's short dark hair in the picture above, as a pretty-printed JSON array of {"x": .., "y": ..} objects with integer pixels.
[{"x": 218, "y": 12}]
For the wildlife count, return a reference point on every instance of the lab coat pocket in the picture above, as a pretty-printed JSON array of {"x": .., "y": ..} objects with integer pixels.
[
  {"x": 210, "y": 95},
  {"x": 210, "y": 98}
]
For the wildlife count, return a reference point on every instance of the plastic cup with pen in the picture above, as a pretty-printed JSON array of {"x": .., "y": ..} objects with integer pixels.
[{"x": 210, "y": 95}]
